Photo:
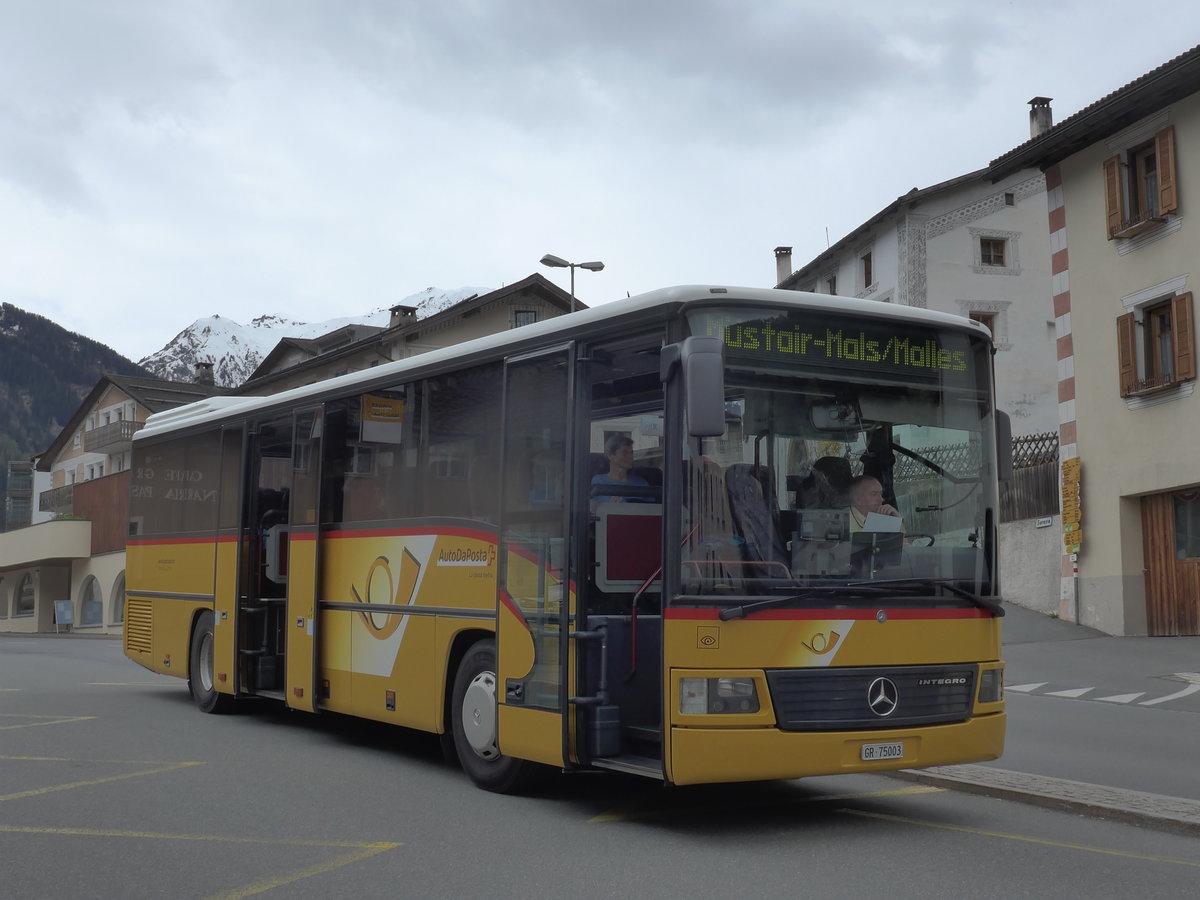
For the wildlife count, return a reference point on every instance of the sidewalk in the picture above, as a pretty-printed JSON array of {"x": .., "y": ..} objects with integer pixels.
[{"x": 1084, "y": 661}]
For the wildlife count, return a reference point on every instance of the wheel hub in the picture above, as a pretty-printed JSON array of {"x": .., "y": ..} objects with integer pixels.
[{"x": 479, "y": 715}]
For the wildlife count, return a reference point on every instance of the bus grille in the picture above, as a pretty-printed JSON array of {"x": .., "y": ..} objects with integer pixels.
[
  {"x": 138, "y": 622},
  {"x": 820, "y": 699}
]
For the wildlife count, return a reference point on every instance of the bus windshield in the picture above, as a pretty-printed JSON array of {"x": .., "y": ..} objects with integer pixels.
[{"x": 858, "y": 462}]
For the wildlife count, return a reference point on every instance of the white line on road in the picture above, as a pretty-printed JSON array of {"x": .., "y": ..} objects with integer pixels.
[
  {"x": 1073, "y": 692},
  {"x": 1190, "y": 689},
  {"x": 1121, "y": 698},
  {"x": 1025, "y": 688}
]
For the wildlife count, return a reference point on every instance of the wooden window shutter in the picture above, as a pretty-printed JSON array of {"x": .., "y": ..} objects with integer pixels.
[
  {"x": 1164, "y": 155},
  {"x": 1185, "y": 338},
  {"x": 1127, "y": 353},
  {"x": 1112, "y": 195}
]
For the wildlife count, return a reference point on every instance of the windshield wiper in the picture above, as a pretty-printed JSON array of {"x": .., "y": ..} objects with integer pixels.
[
  {"x": 739, "y": 612},
  {"x": 991, "y": 605}
]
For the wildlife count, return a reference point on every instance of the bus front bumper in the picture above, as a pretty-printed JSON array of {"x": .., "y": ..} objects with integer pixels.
[{"x": 711, "y": 755}]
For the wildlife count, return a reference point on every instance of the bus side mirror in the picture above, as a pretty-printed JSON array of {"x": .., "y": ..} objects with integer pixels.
[
  {"x": 1004, "y": 456},
  {"x": 703, "y": 366}
]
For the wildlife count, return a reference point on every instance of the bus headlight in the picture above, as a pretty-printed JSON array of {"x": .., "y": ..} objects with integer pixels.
[
  {"x": 991, "y": 685},
  {"x": 702, "y": 696}
]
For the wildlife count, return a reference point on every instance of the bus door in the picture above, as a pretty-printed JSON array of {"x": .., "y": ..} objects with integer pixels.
[
  {"x": 263, "y": 566},
  {"x": 303, "y": 562},
  {"x": 536, "y": 594},
  {"x": 623, "y": 455}
]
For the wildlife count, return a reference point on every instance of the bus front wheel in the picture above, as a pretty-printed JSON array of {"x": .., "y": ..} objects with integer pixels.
[
  {"x": 200, "y": 668},
  {"x": 474, "y": 725}
]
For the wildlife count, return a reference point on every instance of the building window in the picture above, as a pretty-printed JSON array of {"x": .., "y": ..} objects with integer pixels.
[
  {"x": 24, "y": 597},
  {"x": 91, "y": 603},
  {"x": 987, "y": 319},
  {"x": 118, "y": 600},
  {"x": 831, "y": 284},
  {"x": 866, "y": 271},
  {"x": 524, "y": 317},
  {"x": 991, "y": 251},
  {"x": 993, "y": 314},
  {"x": 995, "y": 252},
  {"x": 1139, "y": 186},
  {"x": 1187, "y": 525},
  {"x": 1156, "y": 345}
]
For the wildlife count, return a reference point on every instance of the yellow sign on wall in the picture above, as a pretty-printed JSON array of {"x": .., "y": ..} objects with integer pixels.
[{"x": 1072, "y": 510}]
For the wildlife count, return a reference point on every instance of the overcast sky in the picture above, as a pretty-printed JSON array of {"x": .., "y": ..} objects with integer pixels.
[{"x": 162, "y": 160}]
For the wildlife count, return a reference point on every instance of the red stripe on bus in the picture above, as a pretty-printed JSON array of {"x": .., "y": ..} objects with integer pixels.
[
  {"x": 154, "y": 542},
  {"x": 412, "y": 532},
  {"x": 825, "y": 614}
]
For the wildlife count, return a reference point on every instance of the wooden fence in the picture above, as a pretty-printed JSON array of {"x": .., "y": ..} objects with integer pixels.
[{"x": 1032, "y": 492}]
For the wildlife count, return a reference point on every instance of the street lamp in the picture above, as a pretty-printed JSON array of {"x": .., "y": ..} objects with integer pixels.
[{"x": 557, "y": 262}]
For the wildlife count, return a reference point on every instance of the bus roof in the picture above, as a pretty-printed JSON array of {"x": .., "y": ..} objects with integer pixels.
[{"x": 215, "y": 409}]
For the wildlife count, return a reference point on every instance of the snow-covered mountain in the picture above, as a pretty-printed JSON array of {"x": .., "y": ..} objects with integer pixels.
[{"x": 236, "y": 350}]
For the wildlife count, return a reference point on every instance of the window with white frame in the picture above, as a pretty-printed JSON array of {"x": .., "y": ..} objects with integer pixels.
[
  {"x": 1140, "y": 189},
  {"x": 993, "y": 314},
  {"x": 994, "y": 252},
  {"x": 522, "y": 317},
  {"x": 1156, "y": 344}
]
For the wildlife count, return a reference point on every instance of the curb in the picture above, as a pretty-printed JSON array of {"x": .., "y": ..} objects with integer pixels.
[{"x": 1157, "y": 811}]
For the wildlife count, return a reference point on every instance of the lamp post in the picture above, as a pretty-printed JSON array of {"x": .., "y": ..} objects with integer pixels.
[{"x": 557, "y": 262}]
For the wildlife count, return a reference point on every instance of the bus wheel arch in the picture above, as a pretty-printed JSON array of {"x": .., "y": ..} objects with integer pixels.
[
  {"x": 201, "y": 676},
  {"x": 473, "y": 724}
]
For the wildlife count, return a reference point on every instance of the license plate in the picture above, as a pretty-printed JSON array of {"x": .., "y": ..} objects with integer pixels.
[{"x": 876, "y": 752}]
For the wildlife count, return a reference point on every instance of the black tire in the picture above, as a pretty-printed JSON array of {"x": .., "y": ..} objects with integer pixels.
[
  {"x": 473, "y": 722},
  {"x": 200, "y": 668}
]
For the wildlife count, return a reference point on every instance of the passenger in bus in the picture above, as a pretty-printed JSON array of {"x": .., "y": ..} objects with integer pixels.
[
  {"x": 866, "y": 496},
  {"x": 618, "y": 449}
]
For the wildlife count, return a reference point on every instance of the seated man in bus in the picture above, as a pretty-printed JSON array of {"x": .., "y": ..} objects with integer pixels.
[
  {"x": 866, "y": 497},
  {"x": 619, "y": 451}
]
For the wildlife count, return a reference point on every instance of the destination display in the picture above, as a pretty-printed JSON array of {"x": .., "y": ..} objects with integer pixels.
[{"x": 885, "y": 346}]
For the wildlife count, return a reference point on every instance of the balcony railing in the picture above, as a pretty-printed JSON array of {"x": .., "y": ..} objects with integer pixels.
[
  {"x": 60, "y": 501},
  {"x": 107, "y": 438}
]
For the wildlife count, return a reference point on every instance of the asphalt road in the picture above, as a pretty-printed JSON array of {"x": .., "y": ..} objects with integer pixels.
[
  {"x": 113, "y": 785},
  {"x": 1084, "y": 706}
]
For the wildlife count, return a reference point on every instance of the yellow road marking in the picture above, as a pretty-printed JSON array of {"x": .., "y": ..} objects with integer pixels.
[
  {"x": 620, "y": 815},
  {"x": 267, "y": 884},
  {"x": 36, "y": 792},
  {"x": 54, "y": 720},
  {"x": 358, "y": 851},
  {"x": 1026, "y": 838}
]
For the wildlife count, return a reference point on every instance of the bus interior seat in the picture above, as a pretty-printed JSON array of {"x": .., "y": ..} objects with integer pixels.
[
  {"x": 827, "y": 485},
  {"x": 753, "y": 510}
]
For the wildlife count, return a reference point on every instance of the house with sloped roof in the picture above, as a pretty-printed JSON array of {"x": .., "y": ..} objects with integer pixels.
[
  {"x": 66, "y": 570},
  {"x": 295, "y": 362},
  {"x": 1119, "y": 177}
]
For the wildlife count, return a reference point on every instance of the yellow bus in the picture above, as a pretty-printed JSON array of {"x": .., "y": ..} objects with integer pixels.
[{"x": 707, "y": 534}]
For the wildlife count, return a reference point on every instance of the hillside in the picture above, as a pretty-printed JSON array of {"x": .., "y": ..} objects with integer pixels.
[{"x": 45, "y": 371}]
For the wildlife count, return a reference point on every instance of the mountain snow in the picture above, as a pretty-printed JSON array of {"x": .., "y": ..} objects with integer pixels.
[{"x": 236, "y": 350}]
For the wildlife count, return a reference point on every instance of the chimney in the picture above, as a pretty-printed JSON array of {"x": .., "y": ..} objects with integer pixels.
[
  {"x": 1041, "y": 117},
  {"x": 204, "y": 373},
  {"x": 783, "y": 264},
  {"x": 402, "y": 315}
]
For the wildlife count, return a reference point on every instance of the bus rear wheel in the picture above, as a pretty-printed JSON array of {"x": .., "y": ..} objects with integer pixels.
[
  {"x": 473, "y": 715},
  {"x": 200, "y": 668}
]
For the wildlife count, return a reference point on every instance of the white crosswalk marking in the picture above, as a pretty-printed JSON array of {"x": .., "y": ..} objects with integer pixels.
[{"x": 1190, "y": 689}]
